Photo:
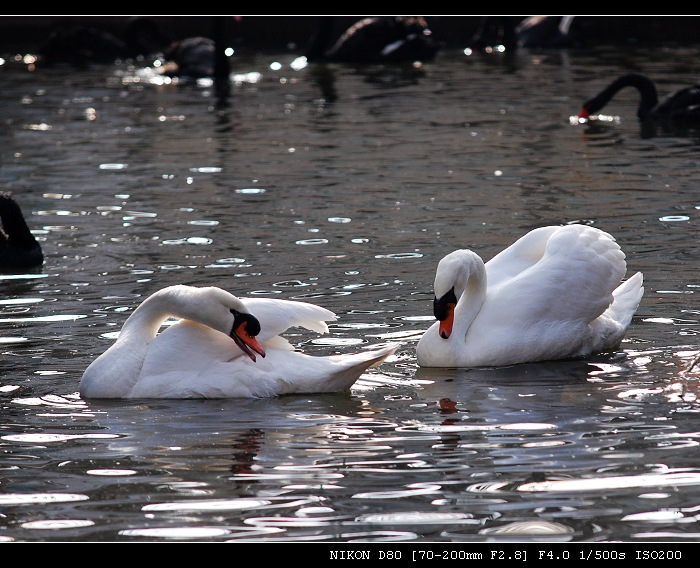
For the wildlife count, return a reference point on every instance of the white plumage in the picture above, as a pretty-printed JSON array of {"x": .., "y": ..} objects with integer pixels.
[
  {"x": 556, "y": 293},
  {"x": 197, "y": 357}
]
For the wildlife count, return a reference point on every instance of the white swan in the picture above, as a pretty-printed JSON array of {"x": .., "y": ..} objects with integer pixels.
[
  {"x": 555, "y": 293},
  {"x": 211, "y": 351}
]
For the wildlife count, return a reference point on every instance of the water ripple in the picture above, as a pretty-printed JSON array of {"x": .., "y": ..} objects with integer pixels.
[
  {"x": 615, "y": 482},
  {"x": 40, "y": 498},
  {"x": 210, "y": 505}
]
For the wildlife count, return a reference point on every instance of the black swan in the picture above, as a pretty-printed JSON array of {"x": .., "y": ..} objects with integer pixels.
[
  {"x": 373, "y": 40},
  {"x": 201, "y": 56},
  {"x": 681, "y": 107},
  {"x": 18, "y": 247},
  {"x": 191, "y": 57}
]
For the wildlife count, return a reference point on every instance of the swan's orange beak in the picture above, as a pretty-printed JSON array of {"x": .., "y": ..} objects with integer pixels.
[
  {"x": 444, "y": 310},
  {"x": 446, "y": 324},
  {"x": 245, "y": 328},
  {"x": 584, "y": 113}
]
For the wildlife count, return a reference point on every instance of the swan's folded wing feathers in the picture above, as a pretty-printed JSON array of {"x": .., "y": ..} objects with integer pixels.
[
  {"x": 573, "y": 281},
  {"x": 585, "y": 267},
  {"x": 279, "y": 343},
  {"x": 682, "y": 101},
  {"x": 518, "y": 257},
  {"x": 187, "y": 347},
  {"x": 277, "y": 316},
  {"x": 282, "y": 372}
]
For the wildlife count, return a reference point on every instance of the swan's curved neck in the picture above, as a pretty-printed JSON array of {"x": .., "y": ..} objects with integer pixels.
[
  {"x": 153, "y": 311},
  {"x": 649, "y": 97},
  {"x": 116, "y": 371},
  {"x": 470, "y": 289}
]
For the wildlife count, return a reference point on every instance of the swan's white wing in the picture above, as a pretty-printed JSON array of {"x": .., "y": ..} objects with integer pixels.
[
  {"x": 518, "y": 257},
  {"x": 187, "y": 347},
  {"x": 572, "y": 281},
  {"x": 277, "y": 316},
  {"x": 192, "y": 361},
  {"x": 286, "y": 372},
  {"x": 555, "y": 293}
]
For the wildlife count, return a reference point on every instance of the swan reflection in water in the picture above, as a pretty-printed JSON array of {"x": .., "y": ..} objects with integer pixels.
[{"x": 516, "y": 391}]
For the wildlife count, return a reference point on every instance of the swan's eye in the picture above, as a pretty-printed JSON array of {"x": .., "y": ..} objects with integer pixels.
[
  {"x": 252, "y": 325},
  {"x": 442, "y": 306},
  {"x": 245, "y": 328}
]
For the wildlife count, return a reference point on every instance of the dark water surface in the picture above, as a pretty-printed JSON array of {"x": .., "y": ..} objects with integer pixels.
[{"x": 344, "y": 186}]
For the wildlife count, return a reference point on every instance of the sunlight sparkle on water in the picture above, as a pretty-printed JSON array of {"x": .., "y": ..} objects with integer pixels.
[
  {"x": 42, "y": 126},
  {"x": 56, "y": 524},
  {"x": 40, "y": 498},
  {"x": 207, "y": 170},
  {"x": 400, "y": 255},
  {"x": 210, "y": 505},
  {"x": 413, "y": 490},
  {"x": 252, "y": 77},
  {"x": 176, "y": 532},
  {"x": 674, "y": 218},
  {"x": 22, "y": 276},
  {"x": 312, "y": 242},
  {"x": 337, "y": 341},
  {"x": 111, "y": 472},
  {"x": 613, "y": 482},
  {"x": 50, "y": 438},
  {"x": 299, "y": 63},
  {"x": 113, "y": 166},
  {"x": 65, "y": 317}
]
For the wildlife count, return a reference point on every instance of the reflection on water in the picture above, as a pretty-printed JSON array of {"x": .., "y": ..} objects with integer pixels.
[{"x": 344, "y": 186}]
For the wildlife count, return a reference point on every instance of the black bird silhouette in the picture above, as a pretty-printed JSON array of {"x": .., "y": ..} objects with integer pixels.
[
  {"x": 191, "y": 57},
  {"x": 18, "y": 247},
  {"x": 373, "y": 40},
  {"x": 680, "y": 107}
]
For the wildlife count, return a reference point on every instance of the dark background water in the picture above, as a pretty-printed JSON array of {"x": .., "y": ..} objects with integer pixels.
[{"x": 344, "y": 186}]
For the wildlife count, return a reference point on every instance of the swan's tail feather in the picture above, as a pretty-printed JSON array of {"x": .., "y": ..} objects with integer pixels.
[
  {"x": 352, "y": 366},
  {"x": 611, "y": 326},
  {"x": 284, "y": 372},
  {"x": 626, "y": 298}
]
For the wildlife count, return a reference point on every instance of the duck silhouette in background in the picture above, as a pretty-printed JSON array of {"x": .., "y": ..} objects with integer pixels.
[
  {"x": 221, "y": 347},
  {"x": 189, "y": 58},
  {"x": 556, "y": 293},
  {"x": 382, "y": 39},
  {"x": 18, "y": 247},
  {"x": 679, "y": 108},
  {"x": 199, "y": 57}
]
